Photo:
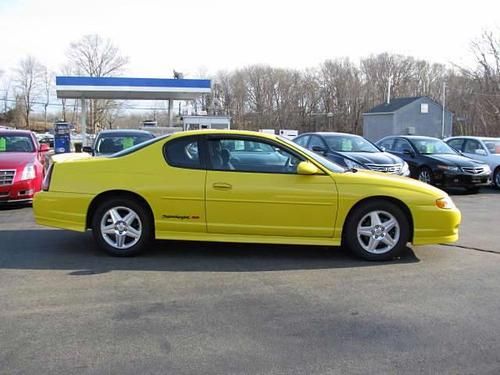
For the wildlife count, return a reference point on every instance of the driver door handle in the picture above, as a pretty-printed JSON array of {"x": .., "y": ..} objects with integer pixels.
[{"x": 222, "y": 186}]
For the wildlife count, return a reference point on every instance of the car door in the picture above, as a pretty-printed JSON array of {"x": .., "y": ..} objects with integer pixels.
[
  {"x": 265, "y": 197},
  {"x": 403, "y": 148},
  {"x": 179, "y": 193}
]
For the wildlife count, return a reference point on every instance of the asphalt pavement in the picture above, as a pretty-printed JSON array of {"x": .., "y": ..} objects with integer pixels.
[{"x": 207, "y": 308}]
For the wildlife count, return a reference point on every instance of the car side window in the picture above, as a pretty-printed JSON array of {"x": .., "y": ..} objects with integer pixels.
[
  {"x": 471, "y": 145},
  {"x": 183, "y": 153},
  {"x": 302, "y": 141},
  {"x": 387, "y": 144},
  {"x": 316, "y": 141},
  {"x": 456, "y": 144},
  {"x": 401, "y": 145},
  {"x": 250, "y": 155}
]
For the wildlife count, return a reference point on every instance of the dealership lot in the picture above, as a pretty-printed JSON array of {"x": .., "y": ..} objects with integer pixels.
[{"x": 209, "y": 308}]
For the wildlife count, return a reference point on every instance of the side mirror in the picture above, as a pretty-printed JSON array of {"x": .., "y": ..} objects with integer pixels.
[
  {"x": 409, "y": 152},
  {"x": 382, "y": 148},
  {"x": 319, "y": 149},
  {"x": 87, "y": 149},
  {"x": 307, "y": 168},
  {"x": 44, "y": 147},
  {"x": 480, "y": 151}
]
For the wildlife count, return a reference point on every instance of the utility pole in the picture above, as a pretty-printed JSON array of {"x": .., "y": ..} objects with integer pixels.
[
  {"x": 444, "y": 103},
  {"x": 389, "y": 90}
]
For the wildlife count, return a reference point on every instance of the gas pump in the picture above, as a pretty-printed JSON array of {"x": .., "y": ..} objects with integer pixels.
[{"x": 62, "y": 137}]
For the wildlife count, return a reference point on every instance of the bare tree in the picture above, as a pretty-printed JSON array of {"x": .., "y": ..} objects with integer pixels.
[
  {"x": 29, "y": 83},
  {"x": 96, "y": 57}
]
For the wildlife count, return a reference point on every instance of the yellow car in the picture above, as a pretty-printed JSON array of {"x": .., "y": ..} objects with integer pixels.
[{"x": 239, "y": 186}]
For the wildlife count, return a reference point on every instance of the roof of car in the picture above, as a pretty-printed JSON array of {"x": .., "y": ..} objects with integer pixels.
[
  {"x": 16, "y": 131},
  {"x": 130, "y": 131},
  {"x": 471, "y": 137},
  {"x": 330, "y": 133},
  {"x": 410, "y": 137}
]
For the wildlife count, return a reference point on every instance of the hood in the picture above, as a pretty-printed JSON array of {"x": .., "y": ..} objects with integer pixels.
[
  {"x": 14, "y": 160},
  {"x": 456, "y": 160},
  {"x": 372, "y": 157},
  {"x": 387, "y": 181}
]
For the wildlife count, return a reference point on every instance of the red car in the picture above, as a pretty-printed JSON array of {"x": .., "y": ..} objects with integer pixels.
[{"x": 21, "y": 165}]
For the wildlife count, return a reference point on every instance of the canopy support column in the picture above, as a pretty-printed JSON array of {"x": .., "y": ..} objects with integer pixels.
[{"x": 83, "y": 121}]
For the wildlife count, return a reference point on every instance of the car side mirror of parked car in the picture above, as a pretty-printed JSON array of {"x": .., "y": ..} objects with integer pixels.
[
  {"x": 44, "y": 147},
  {"x": 307, "y": 168},
  {"x": 480, "y": 152},
  {"x": 409, "y": 152},
  {"x": 382, "y": 148},
  {"x": 87, "y": 149}
]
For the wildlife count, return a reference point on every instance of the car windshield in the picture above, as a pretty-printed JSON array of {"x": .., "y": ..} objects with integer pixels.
[
  {"x": 16, "y": 143},
  {"x": 493, "y": 145},
  {"x": 429, "y": 146},
  {"x": 323, "y": 161},
  {"x": 111, "y": 143},
  {"x": 349, "y": 143}
]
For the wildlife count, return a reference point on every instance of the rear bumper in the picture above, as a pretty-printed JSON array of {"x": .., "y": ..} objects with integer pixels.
[{"x": 62, "y": 210}]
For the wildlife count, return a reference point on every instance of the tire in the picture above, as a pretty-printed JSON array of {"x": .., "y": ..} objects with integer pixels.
[
  {"x": 425, "y": 175},
  {"x": 129, "y": 227},
  {"x": 370, "y": 238},
  {"x": 496, "y": 178}
]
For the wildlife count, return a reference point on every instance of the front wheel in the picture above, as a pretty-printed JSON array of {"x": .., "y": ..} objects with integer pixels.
[
  {"x": 425, "y": 175},
  {"x": 122, "y": 227},
  {"x": 496, "y": 178},
  {"x": 378, "y": 230}
]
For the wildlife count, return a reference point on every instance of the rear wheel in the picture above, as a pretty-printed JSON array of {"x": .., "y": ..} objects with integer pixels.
[
  {"x": 122, "y": 227},
  {"x": 425, "y": 175},
  {"x": 378, "y": 230}
]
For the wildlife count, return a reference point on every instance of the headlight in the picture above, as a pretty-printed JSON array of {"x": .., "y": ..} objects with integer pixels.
[
  {"x": 405, "y": 169},
  {"x": 353, "y": 164},
  {"x": 487, "y": 169},
  {"x": 448, "y": 168},
  {"x": 28, "y": 172},
  {"x": 445, "y": 203}
]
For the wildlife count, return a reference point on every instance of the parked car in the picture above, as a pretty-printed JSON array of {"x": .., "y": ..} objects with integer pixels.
[
  {"x": 484, "y": 149},
  {"x": 21, "y": 165},
  {"x": 353, "y": 151},
  {"x": 431, "y": 160},
  {"x": 108, "y": 142},
  {"x": 201, "y": 185}
]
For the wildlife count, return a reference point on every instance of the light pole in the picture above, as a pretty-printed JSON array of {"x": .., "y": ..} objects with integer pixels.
[
  {"x": 444, "y": 103},
  {"x": 329, "y": 115}
]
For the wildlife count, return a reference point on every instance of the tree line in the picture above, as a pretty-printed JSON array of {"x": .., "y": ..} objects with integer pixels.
[{"x": 330, "y": 97}]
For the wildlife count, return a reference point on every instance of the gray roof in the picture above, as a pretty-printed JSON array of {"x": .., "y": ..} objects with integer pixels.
[{"x": 394, "y": 105}]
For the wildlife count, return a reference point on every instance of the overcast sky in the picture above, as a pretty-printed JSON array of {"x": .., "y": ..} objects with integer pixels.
[{"x": 205, "y": 36}]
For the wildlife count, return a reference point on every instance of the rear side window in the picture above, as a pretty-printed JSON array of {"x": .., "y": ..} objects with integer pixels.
[{"x": 183, "y": 153}]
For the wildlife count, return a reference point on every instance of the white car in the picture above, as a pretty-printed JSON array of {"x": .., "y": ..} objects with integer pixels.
[{"x": 480, "y": 148}]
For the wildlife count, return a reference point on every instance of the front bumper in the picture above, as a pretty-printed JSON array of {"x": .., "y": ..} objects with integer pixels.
[
  {"x": 434, "y": 225},
  {"x": 447, "y": 179},
  {"x": 20, "y": 191}
]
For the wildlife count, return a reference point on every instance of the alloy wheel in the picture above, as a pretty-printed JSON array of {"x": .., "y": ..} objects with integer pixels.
[
  {"x": 378, "y": 232},
  {"x": 121, "y": 227}
]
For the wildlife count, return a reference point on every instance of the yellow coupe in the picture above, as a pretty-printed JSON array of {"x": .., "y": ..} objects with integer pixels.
[{"x": 239, "y": 186}]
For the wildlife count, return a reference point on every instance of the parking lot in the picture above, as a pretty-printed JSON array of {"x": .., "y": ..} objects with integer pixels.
[{"x": 208, "y": 308}]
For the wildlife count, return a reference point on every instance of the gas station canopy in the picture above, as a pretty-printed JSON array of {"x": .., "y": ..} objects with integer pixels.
[{"x": 77, "y": 87}]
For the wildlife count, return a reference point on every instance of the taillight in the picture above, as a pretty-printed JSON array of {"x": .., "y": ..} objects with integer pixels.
[{"x": 46, "y": 180}]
